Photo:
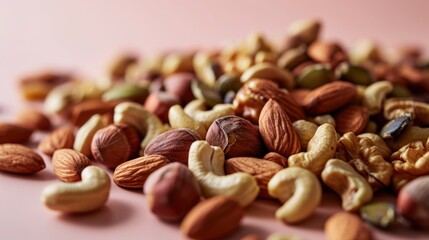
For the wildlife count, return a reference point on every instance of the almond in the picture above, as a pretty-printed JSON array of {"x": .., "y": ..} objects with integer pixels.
[
  {"x": 68, "y": 164},
  {"x": 213, "y": 218},
  {"x": 16, "y": 158},
  {"x": 82, "y": 112},
  {"x": 329, "y": 97},
  {"x": 276, "y": 158},
  {"x": 327, "y": 52},
  {"x": 277, "y": 130},
  {"x": 133, "y": 173},
  {"x": 346, "y": 226},
  {"x": 12, "y": 133},
  {"x": 352, "y": 118},
  {"x": 62, "y": 137},
  {"x": 262, "y": 170},
  {"x": 34, "y": 120}
]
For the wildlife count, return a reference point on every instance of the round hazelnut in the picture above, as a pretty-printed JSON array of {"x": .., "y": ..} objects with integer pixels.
[
  {"x": 412, "y": 202},
  {"x": 179, "y": 85},
  {"x": 159, "y": 103}
]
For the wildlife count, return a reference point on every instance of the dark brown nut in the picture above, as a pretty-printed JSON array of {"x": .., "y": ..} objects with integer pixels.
[
  {"x": 344, "y": 225},
  {"x": 33, "y": 119},
  {"x": 159, "y": 103},
  {"x": 324, "y": 52},
  {"x": 13, "y": 133},
  {"x": 19, "y": 159},
  {"x": 293, "y": 57},
  {"x": 354, "y": 74},
  {"x": 82, "y": 112},
  {"x": 68, "y": 164},
  {"x": 276, "y": 158},
  {"x": 115, "y": 144},
  {"x": 412, "y": 202},
  {"x": 210, "y": 96},
  {"x": 236, "y": 136},
  {"x": 119, "y": 66},
  {"x": 252, "y": 97},
  {"x": 315, "y": 75},
  {"x": 62, "y": 137},
  {"x": 37, "y": 86},
  {"x": 173, "y": 144},
  {"x": 179, "y": 84},
  {"x": 352, "y": 118},
  {"x": 381, "y": 214},
  {"x": 400, "y": 91},
  {"x": 395, "y": 127},
  {"x": 299, "y": 95},
  {"x": 171, "y": 191}
]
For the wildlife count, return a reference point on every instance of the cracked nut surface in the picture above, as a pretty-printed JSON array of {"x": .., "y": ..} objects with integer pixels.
[{"x": 412, "y": 158}]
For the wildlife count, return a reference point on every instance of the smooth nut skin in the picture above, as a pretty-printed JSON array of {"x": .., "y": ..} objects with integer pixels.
[
  {"x": 374, "y": 95},
  {"x": 197, "y": 110},
  {"x": 270, "y": 72},
  {"x": 299, "y": 190},
  {"x": 305, "y": 131},
  {"x": 85, "y": 196},
  {"x": 307, "y": 30},
  {"x": 173, "y": 144},
  {"x": 346, "y": 226},
  {"x": 68, "y": 164},
  {"x": 412, "y": 202},
  {"x": 159, "y": 103},
  {"x": 236, "y": 136},
  {"x": 171, "y": 191},
  {"x": 179, "y": 119},
  {"x": 34, "y": 120},
  {"x": 13, "y": 133},
  {"x": 179, "y": 84},
  {"x": 86, "y": 132}
]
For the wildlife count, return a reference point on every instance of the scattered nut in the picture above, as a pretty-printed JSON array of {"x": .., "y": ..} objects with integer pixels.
[
  {"x": 68, "y": 164},
  {"x": 344, "y": 225},
  {"x": 62, "y": 137},
  {"x": 16, "y": 158},
  {"x": 179, "y": 119},
  {"x": 86, "y": 132},
  {"x": 13, "y": 133},
  {"x": 197, "y": 110},
  {"x": 33, "y": 119},
  {"x": 412, "y": 202}
]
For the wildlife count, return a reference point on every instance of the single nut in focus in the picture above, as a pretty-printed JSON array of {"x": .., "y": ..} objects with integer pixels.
[
  {"x": 412, "y": 202},
  {"x": 352, "y": 118},
  {"x": 159, "y": 103},
  {"x": 320, "y": 149},
  {"x": 325, "y": 52},
  {"x": 221, "y": 211},
  {"x": 86, "y": 132},
  {"x": 179, "y": 119},
  {"x": 236, "y": 136},
  {"x": 207, "y": 164},
  {"x": 305, "y": 131},
  {"x": 412, "y": 158},
  {"x": 62, "y": 137},
  {"x": 277, "y": 130},
  {"x": 33, "y": 119},
  {"x": 83, "y": 111},
  {"x": 322, "y": 119},
  {"x": 173, "y": 144},
  {"x": 270, "y": 72},
  {"x": 344, "y": 225},
  {"x": 299, "y": 190},
  {"x": 343, "y": 179},
  {"x": 396, "y": 107},
  {"x": 133, "y": 173},
  {"x": 68, "y": 164},
  {"x": 276, "y": 158},
  {"x": 13, "y": 133},
  {"x": 115, "y": 144},
  {"x": 409, "y": 135},
  {"x": 85, "y": 196},
  {"x": 196, "y": 109},
  {"x": 171, "y": 191},
  {"x": 16, "y": 158},
  {"x": 375, "y": 94},
  {"x": 261, "y": 170},
  {"x": 179, "y": 85}
]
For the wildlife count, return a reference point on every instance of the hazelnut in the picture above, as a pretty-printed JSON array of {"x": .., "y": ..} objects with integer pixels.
[
  {"x": 115, "y": 144},
  {"x": 413, "y": 204},
  {"x": 179, "y": 85},
  {"x": 159, "y": 103}
]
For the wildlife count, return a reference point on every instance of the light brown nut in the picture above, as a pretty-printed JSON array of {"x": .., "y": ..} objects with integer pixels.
[
  {"x": 344, "y": 225},
  {"x": 16, "y": 158},
  {"x": 277, "y": 130},
  {"x": 352, "y": 118},
  {"x": 299, "y": 95},
  {"x": 82, "y": 112},
  {"x": 86, "y": 132},
  {"x": 320, "y": 149},
  {"x": 13, "y": 133},
  {"x": 321, "y": 119},
  {"x": 221, "y": 211},
  {"x": 119, "y": 65},
  {"x": 399, "y": 180},
  {"x": 375, "y": 94},
  {"x": 177, "y": 62},
  {"x": 276, "y": 158},
  {"x": 261, "y": 170},
  {"x": 133, "y": 173},
  {"x": 171, "y": 191},
  {"x": 281, "y": 236},
  {"x": 412, "y": 202},
  {"x": 173, "y": 144},
  {"x": 33, "y": 119},
  {"x": 159, "y": 103},
  {"x": 115, "y": 144},
  {"x": 197, "y": 110},
  {"x": 127, "y": 92},
  {"x": 68, "y": 164},
  {"x": 62, "y": 137},
  {"x": 329, "y": 97},
  {"x": 38, "y": 86},
  {"x": 305, "y": 131},
  {"x": 270, "y": 72},
  {"x": 179, "y": 119},
  {"x": 411, "y": 134},
  {"x": 326, "y": 52},
  {"x": 299, "y": 190},
  {"x": 206, "y": 68},
  {"x": 343, "y": 179},
  {"x": 412, "y": 158},
  {"x": 236, "y": 136},
  {"x": 395, "y": 107},
  {"x": 306, "y": 30},
  {"x": 365, "y": 50}
]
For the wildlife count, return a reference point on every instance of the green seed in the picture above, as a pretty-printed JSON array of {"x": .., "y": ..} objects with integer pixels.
[
  {"x": 315, "y": 75},
  {"x": 354, "y": 74},
  {"x": 201, "y": 91},
  {"x": 125, "y": 91},
  {"x": 227, "y": 83},
  {"x": 379, "y": 214}
]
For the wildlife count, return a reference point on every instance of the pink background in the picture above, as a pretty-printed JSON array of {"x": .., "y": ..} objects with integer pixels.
[{"x": 84, "y": 35}]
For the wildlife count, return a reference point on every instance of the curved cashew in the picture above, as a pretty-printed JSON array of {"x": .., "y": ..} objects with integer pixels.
[
  {"x": 179, "y": 119},
  {"x": 207, "y": 164},
  {"x": 197, "y": 110},
  {"x": 299, "y": 189},
  {"x": 147, "y": 123},
  {"x": 85, "y": 196},
  {"x": 374, "y": 95},
  {"x": 321, "y": 119},
  {"x": 320, "y": 149},
  {"x": 84, "y": 135},
  {"x": 305, "y": 131},
  {"x": 343, "y": 179}
]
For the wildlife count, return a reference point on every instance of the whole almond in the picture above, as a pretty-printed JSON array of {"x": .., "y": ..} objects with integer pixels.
[
  {"x": 13, "y": 133},
  {"x": 277, "y": 130},
  {"x": 34, "y": 120},
  {"x": 16, "y": 158},
  {"x": 346, "y": 226},
  {"x": 351, "y": 119},
  {"x": 62, "y": 137},
  {"x": 133, "y": 173},
  {"x": 213, "y": 218},
  {"x": 68, "y": 164}
]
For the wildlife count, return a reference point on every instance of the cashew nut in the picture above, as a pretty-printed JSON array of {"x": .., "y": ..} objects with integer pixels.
[
  {"x": 299, "y": 189},
  {"x": 305, "y": 131},
  {"x": 197, "y": 110},
  {"x": 374, "y": 95},
  {"x": 82, "y": 142},
  {"x": 179, "y": 119},
  {"x": 320, "y": 149},
  {"x": 269, "y": 71},
  {"x": 343, "y": 179},
  {"x": 85, "y": 196},
  {"x": 207, "y": 164},
  {"x": 321, "y": 119}
]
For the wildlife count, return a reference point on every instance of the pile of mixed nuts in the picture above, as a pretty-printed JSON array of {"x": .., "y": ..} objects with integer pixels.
[{"x": 205, "y": 133}]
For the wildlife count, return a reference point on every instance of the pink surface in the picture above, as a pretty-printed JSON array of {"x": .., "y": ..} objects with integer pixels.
[{"x": 83, "y": 36}]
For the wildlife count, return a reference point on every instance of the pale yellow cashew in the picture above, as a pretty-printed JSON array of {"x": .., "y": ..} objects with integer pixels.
[
  {"x": 374, "y": 95},
  {"x": 84, "y": 135},
  {"x": 85, "y": 196},
  {"x": 207, "y": 164},
  {"x": 269, "y": 71},
  {"x": 305, "y": 131},
  {"x": 197, "y": 110},
  {"x": 179, "y": 119},
  {"x": 299, "y": 190}
]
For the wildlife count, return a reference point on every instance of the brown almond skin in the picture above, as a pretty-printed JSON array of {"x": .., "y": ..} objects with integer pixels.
[
  {"x": 352, "y": 118},
  {"x": 173, "y": 144},
  {"x": 82, "y": 112},
  {"x": 212, "y": 218},
  {"x": 159, "y": 103},
  {"x": 171, "y": 191},
  {"x": 277, "y": 130},
  {"x": 276, "y": 158},
  {"x": 412, "y": 202},
  {"x": 62, "y": 137},
  {"x": 34, "y": 120},
  {"x": 13, "y": 133},
  {"x": 325, "y": 52},
  {"x": 133, "y": 173},
  {"x": 68, "y": 164},
  {"x": 346, "y": 226},
  {"x": 179, "y": 84},
  {"x": 17, "y": 158},
  {"x": 236, "y": 136}
]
